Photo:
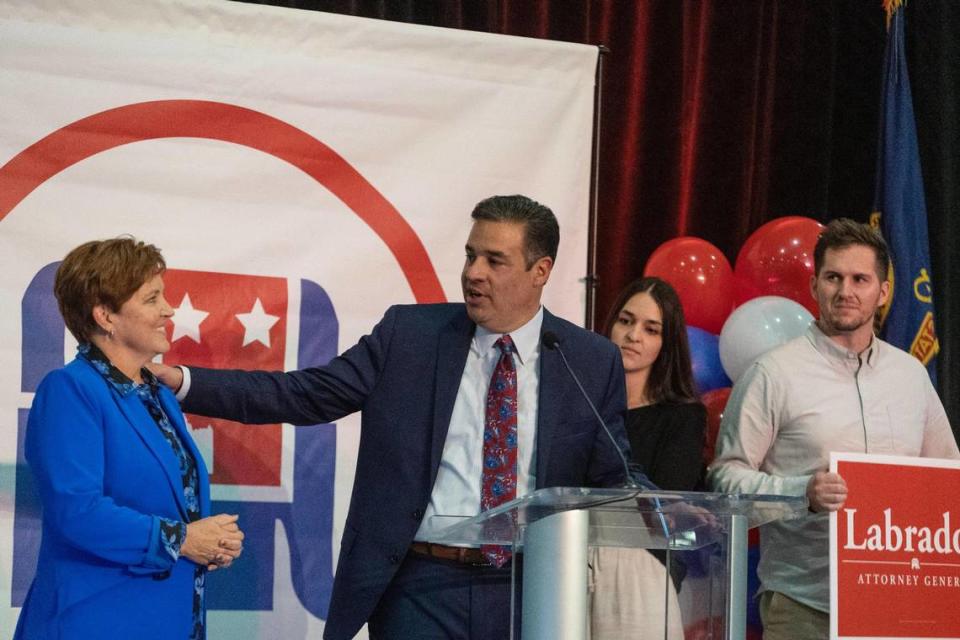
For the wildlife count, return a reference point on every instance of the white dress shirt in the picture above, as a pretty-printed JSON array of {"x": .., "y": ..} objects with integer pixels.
[{"x": 456, "y": 491}]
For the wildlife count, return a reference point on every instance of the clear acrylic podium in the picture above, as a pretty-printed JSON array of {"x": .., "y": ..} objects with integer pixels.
[{"x": 556, "y": 529}]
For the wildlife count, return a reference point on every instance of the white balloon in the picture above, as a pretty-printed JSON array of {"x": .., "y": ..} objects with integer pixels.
[{"x": 757, "y": 326}]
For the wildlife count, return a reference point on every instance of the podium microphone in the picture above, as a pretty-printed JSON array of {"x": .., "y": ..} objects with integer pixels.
[{"x": 552, "y": 342}]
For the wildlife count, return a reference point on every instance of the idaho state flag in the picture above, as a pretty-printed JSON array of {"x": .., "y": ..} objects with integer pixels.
[{"x": 901, "y": 211}]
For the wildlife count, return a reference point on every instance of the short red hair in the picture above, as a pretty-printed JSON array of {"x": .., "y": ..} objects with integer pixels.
[{"x": 106, "y": 272}]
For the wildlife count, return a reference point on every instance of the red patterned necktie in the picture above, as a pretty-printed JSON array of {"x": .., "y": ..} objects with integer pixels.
[{"x": 499, "y": 478}]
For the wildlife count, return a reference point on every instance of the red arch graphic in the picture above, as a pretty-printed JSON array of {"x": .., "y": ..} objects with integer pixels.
[{"x": 228, "y": 123}]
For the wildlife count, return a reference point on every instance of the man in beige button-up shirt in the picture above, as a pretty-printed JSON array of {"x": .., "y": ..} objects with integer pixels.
[{"x": 836, "y": 388}]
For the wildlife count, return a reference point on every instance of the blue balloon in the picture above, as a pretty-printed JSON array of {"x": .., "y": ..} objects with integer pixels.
[{"x": 708, "y": 373}]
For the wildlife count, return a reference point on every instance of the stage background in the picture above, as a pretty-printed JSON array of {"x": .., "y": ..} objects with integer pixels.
[
  {"x": 301, "y": 172},
  {"x": 720, "y": 116}
]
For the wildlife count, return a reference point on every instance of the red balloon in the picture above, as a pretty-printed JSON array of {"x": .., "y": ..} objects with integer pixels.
[
  {"x": 715, "y": 401},
  {"x": 706, "y": 628},
  {"x": 702, "y": 276},
  {"x": 777, "y": 260}
]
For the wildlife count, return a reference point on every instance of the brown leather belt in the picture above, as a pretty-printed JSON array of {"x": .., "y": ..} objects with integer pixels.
[{"x": 463, "y": 555}]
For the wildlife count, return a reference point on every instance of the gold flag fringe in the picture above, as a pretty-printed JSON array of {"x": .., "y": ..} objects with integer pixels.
[{"x": 891, "y": 7}]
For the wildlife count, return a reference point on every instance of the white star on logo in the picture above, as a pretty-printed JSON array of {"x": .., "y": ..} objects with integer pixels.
[
  {"x": 257, "y": 325},
  {"x": 186, "y": 321}
]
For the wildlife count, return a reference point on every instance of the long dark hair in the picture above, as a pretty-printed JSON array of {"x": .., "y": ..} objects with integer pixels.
[{"x": 671, "y": 376}]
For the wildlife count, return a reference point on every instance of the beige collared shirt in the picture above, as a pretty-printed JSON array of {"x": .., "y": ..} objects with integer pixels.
[{"x": 792, "y": 408}]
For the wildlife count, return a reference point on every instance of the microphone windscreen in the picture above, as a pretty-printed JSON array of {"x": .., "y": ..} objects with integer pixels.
[{"x": 550, "y": 340}]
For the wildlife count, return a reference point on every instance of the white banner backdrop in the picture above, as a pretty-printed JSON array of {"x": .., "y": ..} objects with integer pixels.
[{"x": 301, "y": 172}]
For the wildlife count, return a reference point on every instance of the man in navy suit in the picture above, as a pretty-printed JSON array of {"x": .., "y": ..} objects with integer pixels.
[{"x": 421, "y": 380}]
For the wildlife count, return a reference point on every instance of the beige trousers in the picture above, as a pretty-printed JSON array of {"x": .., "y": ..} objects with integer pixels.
[
  {"x": 786, "y": 619},
  {"x": 629, "y": 592}
]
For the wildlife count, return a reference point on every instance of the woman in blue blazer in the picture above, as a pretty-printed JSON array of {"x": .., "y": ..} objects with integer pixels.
[{"x": 127, "y": 531}]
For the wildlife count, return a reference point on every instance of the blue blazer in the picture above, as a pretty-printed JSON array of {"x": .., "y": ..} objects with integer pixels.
[
  {"x": 105, "y": 474},
  {"x": 404, "y": 377}
]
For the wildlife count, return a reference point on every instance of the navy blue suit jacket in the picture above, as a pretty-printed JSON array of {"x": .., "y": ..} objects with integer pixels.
[
  {"x": 404, "y": 377},
  {"x": 106, "y": 474}
]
